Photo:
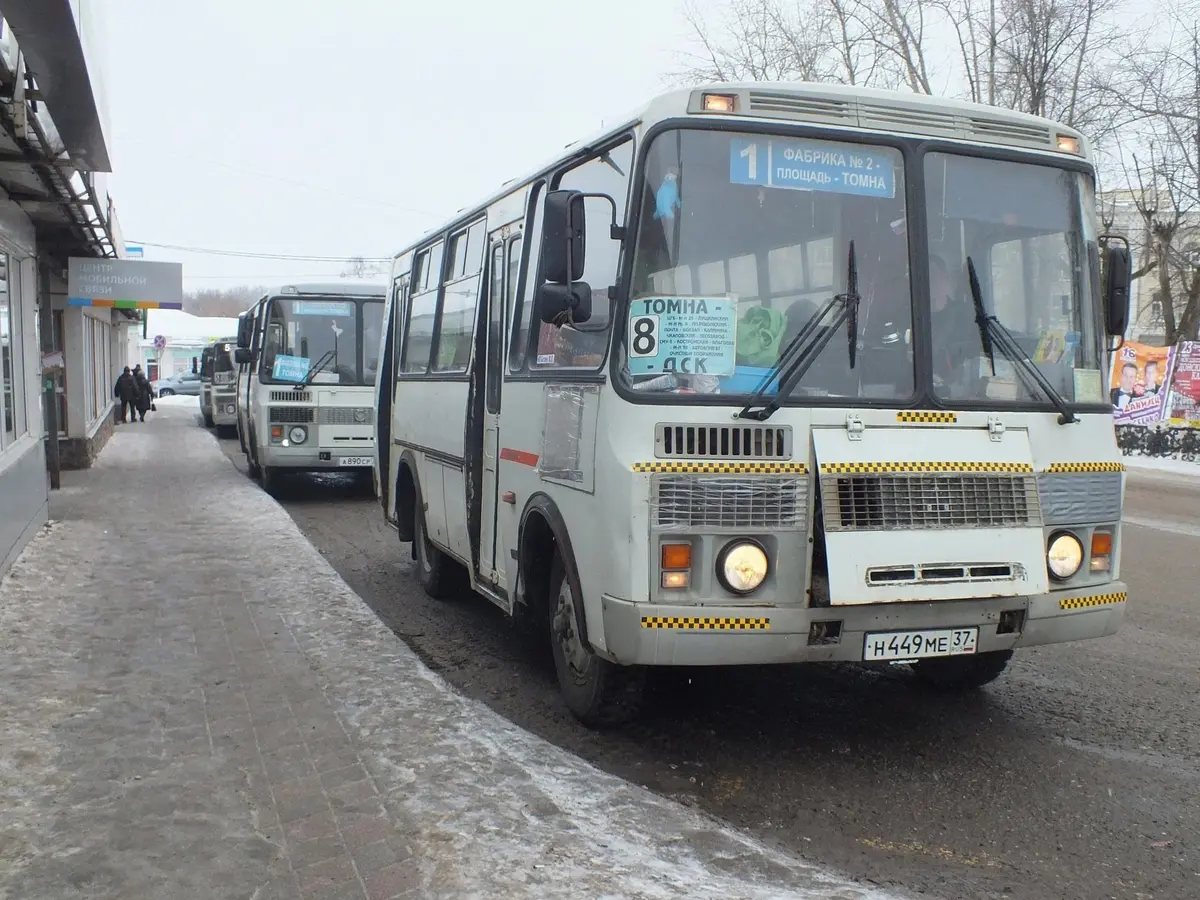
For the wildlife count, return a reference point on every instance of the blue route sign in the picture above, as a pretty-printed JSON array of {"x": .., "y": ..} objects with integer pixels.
[{"x": 812, "y": 165}]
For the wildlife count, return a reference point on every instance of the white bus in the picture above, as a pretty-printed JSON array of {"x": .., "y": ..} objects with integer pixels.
[
  {"x": 769, "y": 373},
  {"x": 218, "y": 391},
  {"x": 306, "y": 357}
]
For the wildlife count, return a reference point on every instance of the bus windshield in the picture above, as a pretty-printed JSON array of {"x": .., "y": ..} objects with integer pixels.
[
  {"x": 1028, "y": 233},
  {"x": 222, "y": 366},
  {"x": 743, "y": 239},
  {"x": 321, "y": 336}
]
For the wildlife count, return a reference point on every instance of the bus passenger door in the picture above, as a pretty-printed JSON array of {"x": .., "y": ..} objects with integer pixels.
[{"x": 503, "y": 253}]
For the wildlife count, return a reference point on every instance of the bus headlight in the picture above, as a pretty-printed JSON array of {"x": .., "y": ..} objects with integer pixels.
[
  {"x": 1064, "y": 556},
  {"x": 298, "y": 435},
  {"x": 742, "y": 566}
]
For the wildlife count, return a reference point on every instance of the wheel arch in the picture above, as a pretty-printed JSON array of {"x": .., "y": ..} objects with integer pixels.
[
  {"x": 408, "y": 493},
  {"x": 543, "y": 532}
]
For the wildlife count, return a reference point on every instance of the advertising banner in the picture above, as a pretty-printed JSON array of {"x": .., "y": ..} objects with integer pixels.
[
  {"x": 1183, "y": 399},
  {"x": 1138, "y": 387}
]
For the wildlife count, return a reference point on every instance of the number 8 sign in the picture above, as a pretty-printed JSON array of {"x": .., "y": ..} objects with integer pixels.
[{"x": 644, "y": 336}]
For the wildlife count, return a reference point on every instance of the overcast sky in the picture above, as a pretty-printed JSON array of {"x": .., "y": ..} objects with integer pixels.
[{"x": 266, "y": 126}]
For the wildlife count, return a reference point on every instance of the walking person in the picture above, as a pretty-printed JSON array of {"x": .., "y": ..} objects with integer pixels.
[
  {"x": 127, "y": 392},
  {"x": 145, "y": 393}
]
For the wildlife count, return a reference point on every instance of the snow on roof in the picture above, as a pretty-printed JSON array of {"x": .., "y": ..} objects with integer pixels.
[{"x": 173, "y": 323}]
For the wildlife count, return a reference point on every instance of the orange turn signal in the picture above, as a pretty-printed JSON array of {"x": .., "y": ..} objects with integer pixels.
[
  {"x": 676, "y": 556},
  {"x": 1101, "y": 543}
]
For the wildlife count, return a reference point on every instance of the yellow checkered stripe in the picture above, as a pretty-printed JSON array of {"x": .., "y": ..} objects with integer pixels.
[
  {"x": 1086, "y": 602},
  {"x": 707, "y": 623},
  {"x": 917, "y": 415},
  {"x": 866, "y": 468},
  {"x": 1059, "y": 468},
  {"x": 722, "y": 468}
]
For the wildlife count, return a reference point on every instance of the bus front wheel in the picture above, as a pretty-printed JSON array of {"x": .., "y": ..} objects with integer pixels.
[
  {"x": 962, "y": 673},
  {"x": 435, "y": 570},
  {"x": 598, "y": 693}
]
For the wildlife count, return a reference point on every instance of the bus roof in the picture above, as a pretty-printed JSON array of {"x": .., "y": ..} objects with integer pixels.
[
  {"x": 340, "y": 289},
  {"x": 811, "y": 103}
]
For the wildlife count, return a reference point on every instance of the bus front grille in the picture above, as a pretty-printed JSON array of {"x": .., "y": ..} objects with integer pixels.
[
  {"x": 291, "y": 415},
  {"x": 347, "y": 415},
  {"x": 755, "y": 502},
  {"x": 722, "y": 442},
  {"x": 919, "y": 502}
]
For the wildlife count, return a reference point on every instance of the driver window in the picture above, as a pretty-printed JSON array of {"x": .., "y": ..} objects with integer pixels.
[{"x": 568, "y": 347}]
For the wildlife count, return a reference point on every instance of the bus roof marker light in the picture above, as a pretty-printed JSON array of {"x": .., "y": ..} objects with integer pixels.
[
  {"x": 1067, "y": 143},
  {"x": 719, "y": 103}
]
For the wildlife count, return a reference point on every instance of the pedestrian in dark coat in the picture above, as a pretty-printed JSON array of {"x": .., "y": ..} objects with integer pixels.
[
  {"x": 145, "y": 393},
  {"x": 127, "y": 392}
]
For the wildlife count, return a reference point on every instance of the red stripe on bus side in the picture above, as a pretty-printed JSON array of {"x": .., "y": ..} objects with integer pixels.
[{"x": 519, "y": 456}]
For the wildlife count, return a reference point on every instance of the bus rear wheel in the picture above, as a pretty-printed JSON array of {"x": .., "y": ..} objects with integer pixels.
[
  {"x": 962, "y": 673},
  {"x": 598, "y": 693}
]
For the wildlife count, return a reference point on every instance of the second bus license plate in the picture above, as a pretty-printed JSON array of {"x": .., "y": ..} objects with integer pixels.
[
  {"x": 356, "y": 461},
  {"x": 882, "y": 646}
]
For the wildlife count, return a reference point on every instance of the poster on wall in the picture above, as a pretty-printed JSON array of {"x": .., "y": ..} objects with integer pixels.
[
  {"x": 1183, "y": 398},
  {"x": 1138, "y": 385}
]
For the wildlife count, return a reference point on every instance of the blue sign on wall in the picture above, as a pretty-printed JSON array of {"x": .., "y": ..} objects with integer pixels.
[
  {"x": 290, "y": 368},
  {"x": 682, "y": 336},
  {"x": 812, "y": 165},
  {"x": 337, "y": 308}
]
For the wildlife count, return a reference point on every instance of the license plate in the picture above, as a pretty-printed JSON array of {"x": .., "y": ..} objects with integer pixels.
[
  {"x": 892, "y": 645},
  {"x": 356, "y": 461}
]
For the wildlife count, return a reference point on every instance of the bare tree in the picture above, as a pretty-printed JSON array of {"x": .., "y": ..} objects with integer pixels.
[{"x": 760, "y": 40}]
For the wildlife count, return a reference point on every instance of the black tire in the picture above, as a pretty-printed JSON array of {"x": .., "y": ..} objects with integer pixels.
[
  {"x": 439, "y": 575},
  {"x": 252, "y": 467},
  {"x": 208, "y": 420},
  {"x": 599, "y": 693},
  {"x": 269, "y": 477},
  {"x": 166, "y": 392},
  {"x": 957, "y": 674}
]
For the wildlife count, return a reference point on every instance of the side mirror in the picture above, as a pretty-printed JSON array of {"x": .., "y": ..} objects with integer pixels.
[
  {"x": 564, "y": 230},
  {"x": 245, "y": 331},
  {"x": 1117, "y": 277},
  {"x": 242, "y": 356},
  {"x": 556, "y": 301}
]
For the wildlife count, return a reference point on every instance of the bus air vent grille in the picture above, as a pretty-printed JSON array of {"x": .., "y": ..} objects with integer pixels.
[
  {"x": 899, "y": 118},
  {"x": 291, "y": 415},
  {"x": 794, "y": 106},
  {"x": 910, "y": 502},
  {"x": 1009, "y": 132},
  {"x": 722, "y": 442},
  {"x": 292, "y": 396}
]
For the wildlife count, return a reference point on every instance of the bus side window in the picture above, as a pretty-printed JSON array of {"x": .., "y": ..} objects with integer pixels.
[
  {"x": 609, "y": 174},
  {"x": 422, "y": 307}
]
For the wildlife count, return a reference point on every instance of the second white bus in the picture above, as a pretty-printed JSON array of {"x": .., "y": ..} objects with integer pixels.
[{"x": 307, "y": 364}]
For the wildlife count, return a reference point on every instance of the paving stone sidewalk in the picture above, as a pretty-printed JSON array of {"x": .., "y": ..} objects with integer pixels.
[{"x": 196, "y": 706}]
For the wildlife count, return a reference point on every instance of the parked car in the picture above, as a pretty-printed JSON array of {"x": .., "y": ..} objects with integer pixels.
[{"x": 182, "y": 383}]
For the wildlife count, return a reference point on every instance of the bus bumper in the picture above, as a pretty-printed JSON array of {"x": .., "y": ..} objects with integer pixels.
[
  {"x": 657, "y": 635},
  {"x": 315, "y": 459}
]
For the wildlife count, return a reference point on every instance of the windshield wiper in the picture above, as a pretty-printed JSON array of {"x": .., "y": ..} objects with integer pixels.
[
  {"x": 992, "y": 332},
  {"x": 312, "y": 371},
  {"x": 802, "y": 350}
]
